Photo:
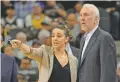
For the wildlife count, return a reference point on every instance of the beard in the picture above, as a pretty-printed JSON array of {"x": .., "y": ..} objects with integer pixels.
[{"x": 84, "y": 28}]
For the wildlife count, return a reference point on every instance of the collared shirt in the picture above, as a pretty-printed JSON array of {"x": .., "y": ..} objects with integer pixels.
[{"x": 87, "y": 38}]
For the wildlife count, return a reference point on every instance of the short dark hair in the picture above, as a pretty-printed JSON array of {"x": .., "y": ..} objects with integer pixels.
[
  {"x": 10, "y": 7},
  {"x": 26, "y": 58}
]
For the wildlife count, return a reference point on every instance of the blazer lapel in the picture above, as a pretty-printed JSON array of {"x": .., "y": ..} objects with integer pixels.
[
  {"x": 51, "y": 58},
  {"x": 91, "y": 42},
  {"x": 81, "y": 47},
  {"x": 71, "y": 67}
]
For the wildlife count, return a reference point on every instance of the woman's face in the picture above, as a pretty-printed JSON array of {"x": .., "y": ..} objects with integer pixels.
[{"x": 58, "y": 38}]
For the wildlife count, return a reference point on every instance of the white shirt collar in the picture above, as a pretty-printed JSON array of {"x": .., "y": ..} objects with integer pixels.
[{"x": 88, "y": 35}]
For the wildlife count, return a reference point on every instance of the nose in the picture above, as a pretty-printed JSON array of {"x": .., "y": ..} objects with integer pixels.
[
  {"x": 82, "y": 18},
  {"x": 55, "y": 38}
]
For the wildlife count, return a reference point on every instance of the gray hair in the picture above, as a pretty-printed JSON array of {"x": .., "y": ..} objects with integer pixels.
[
  {"x": 43, "y": 33},
  {"x": 95, "y": 9},
  {"x": 22, "y": 35}
]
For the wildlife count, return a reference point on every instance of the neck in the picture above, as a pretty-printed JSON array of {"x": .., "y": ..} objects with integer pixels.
[
  {"x": 91, "y": 28},
  {"x": 59, "y": 51}
]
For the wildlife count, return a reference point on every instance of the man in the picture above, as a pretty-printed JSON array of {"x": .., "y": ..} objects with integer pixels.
[
  {"x": 8, "y": 68},
  {"x": 33, "y": 20},
  {"x": 44, "y": 37},
  {"x": 30, "y": 74},
  {"x": 54, "y": 10},
  {"x": 97, "y": 62},
  {"x": 10, "y": 21},
  {"x": 74, "y": 25}
]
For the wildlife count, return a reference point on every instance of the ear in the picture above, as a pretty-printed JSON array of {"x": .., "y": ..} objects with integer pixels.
[
  {"x": 67, "y": 40},
  {"x": 96, "y": 20}
]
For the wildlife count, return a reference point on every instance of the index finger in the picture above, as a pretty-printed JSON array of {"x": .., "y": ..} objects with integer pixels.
[{"x": 13, "y": 41}]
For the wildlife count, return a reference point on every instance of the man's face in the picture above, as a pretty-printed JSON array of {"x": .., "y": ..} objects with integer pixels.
[
  {"x": 20, "y": 38},
  {"x": 37, "y": 10},
  {"x": 8, "y": 50},
  {"x": 71, "y": 19},
  {"x": 25, "y": 64},
  {"x": 87, "y": 19},
  {"x": 78, "y": 7},
  {"x": 10, "y": 12},
  {"x": 43, "y": 40},
  {"x": 51, "y": 3}
]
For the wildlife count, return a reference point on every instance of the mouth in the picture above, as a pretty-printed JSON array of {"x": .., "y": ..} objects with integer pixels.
[
  {"x": 55, "y": 43},
  {"x": 83, "y": 23}
]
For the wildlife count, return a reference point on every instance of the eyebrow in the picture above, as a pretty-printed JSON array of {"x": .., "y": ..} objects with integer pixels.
[{"x": 57, "y": 33}]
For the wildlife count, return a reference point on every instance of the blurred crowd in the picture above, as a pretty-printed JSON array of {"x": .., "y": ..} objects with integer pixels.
[{"x": 32, "y": 21}]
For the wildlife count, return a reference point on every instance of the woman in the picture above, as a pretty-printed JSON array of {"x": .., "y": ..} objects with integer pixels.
[{"x": 54, "y": 63}]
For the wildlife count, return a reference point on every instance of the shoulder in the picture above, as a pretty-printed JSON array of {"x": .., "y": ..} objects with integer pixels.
[
  {"x": 75, "y": 49},
  {"x": 105, "y": 35},
  {"x": 6, "y": 58}
]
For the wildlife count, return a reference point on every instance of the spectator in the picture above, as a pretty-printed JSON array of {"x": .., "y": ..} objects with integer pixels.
[
  {"x": 35, "y": 44},
  {"x": 31, "y": 75},
  {"x": 54, "y": 10},
  {"x": 74, "y": 27},
  {"x": 21, "y": 78},
  {"x": 44, "y": 37},
  {"x": 114, "y": 19},
  {"x": 4, "y": 5},
  {"x": 76, "y": 9},
  {"x": 23, "y": 8},
  {"x": 46, "y": 24},
  {"x": 34, "y": 20},
  {"x": 10, "y": 21},
  {"x": 22, "y": 37}
]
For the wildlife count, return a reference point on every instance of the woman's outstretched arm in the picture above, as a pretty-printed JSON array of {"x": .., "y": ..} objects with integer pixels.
[{"x": 33, "y": 53}]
